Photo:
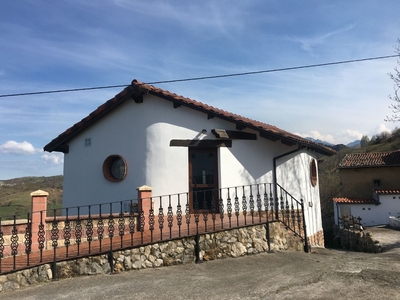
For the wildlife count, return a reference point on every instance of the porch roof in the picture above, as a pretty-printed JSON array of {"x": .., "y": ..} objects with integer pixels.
[
  {"x": 137, "y": 89},
  {"x": 345, "y": 200}
]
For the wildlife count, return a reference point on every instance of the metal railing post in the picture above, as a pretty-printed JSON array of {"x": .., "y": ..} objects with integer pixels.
[
  {"x": 1, "y": 245},
  {"x": 197, "y": 248},
  {"x": 306, "y": 248},
  {"x": 268, "y": 235}
]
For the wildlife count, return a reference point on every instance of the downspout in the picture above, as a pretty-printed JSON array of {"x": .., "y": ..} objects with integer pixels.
[
  {"x": 274, "y": 180},
  {"x": 337, "y": 213}
]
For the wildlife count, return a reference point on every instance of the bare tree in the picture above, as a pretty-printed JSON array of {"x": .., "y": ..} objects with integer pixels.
[{"x": 395, "y": 107}]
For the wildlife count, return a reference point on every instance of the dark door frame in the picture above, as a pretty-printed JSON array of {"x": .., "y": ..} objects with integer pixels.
[{"x": 193, "y": 185}]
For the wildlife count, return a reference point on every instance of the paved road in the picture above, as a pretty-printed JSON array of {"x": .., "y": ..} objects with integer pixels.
[{"x": 325, "y": 274}]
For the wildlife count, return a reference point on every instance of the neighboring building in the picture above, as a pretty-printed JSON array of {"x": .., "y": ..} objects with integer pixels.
[
  {"x": 149, "y": 136},
  {"x": 370, "y": 185}
]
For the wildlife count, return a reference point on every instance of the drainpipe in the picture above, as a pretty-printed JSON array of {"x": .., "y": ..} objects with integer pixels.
[
  {"x": 337, "y": 213},
  {"x": 274, "y": 177}
]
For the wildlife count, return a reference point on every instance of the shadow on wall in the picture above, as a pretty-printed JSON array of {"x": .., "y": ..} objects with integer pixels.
[
  {"x": 294, "y": 175},
  {"x": 256, "y": 162}
]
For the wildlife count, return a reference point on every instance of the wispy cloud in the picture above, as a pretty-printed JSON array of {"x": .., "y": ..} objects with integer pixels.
[
  {"x": 308, "y": 43},
  {"x": 353, "y": 134},
  {"x": 53, "y": 158},
  {"x": 382, "y": 128},
  {"x": 318, "y": 136},
  {"x": 23, "y": 148},
  {"x": 344, "y": 136},
  {"x": 213, "y": 17}
]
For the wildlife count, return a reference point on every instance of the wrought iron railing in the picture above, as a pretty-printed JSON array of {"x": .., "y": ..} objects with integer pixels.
[{"x": 95, "y": 229}]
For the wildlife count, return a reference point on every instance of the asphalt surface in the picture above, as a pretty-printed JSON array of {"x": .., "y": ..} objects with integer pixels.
[{"x": 323, "y": 274}]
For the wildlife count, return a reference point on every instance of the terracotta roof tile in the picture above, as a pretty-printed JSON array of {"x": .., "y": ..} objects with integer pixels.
[
  {"x": 345, "y": 200},
  {"x": 387, "y": 192},
  {"x": 375, "y": 159},
  {"x": 137, "y": 87}
]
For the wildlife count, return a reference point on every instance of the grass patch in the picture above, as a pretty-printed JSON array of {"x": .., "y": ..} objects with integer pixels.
[{"x": 15, "y": 193}]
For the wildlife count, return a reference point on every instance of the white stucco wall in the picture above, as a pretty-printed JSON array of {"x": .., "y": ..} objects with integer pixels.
[
  {"x": 84, "y": 182},
  {"x": 390, "y": 206},
  {"x": 373, "y": 215},
  {"x": 141, "y": 133},
  {"x": 293, "y": 174},
  {"x": 341, "y": 210}
]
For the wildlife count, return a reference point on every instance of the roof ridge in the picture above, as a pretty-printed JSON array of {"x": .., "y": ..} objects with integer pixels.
[{"x": 370, "y": 159}]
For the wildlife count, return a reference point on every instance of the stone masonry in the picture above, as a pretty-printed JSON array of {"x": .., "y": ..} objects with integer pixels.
[{"x": 225, "y": 244}]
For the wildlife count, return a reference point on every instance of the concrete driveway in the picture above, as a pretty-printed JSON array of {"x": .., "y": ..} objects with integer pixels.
[
  {"x": 389, "y": 238},
  {"x": 323, "y": 274}
]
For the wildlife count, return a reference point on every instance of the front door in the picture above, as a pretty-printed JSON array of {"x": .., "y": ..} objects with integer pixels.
[{"x": 203, "y": 178}]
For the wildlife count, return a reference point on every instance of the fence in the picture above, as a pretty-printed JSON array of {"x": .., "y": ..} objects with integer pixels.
[{"x": 104, "y": 228}]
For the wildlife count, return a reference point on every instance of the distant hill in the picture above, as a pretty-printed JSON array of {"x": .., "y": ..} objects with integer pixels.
[
  {"x": 15, "y": 196},
  {"x": 339, "y": 147},
  {"x": 355, "y": 144},
  {"x": 319, "y": 141}
]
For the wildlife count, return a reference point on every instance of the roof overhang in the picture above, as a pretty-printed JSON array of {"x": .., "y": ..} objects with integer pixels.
[{"x": 346, "y": 200}]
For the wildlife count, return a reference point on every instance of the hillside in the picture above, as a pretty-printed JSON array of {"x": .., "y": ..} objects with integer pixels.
[
  {"x": 15, "y": 196},
  {"x": 329, "y": 181}
]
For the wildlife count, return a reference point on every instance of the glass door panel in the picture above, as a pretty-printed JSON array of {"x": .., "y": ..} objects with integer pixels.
[{"x": 203, "y": 178}]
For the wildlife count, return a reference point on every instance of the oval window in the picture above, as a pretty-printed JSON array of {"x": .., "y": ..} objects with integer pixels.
[
  {"x": 114, "y": 168},
  {"x": 313, "y": 172}
]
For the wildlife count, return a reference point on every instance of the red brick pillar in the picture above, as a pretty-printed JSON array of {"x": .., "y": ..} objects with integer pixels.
[
  {"x": 38, "y": 210},
  {"x": 145, "y": 203}
]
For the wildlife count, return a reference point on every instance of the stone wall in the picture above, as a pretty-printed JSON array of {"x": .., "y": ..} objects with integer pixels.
[
  {"x": 230, "y": 243},
  {"x": 317, "y": 239},
  {"x": 361, "y": 241}
]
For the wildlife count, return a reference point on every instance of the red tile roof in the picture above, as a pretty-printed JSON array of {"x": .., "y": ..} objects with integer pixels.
[
  {"x": 136, "y": 91},
  {"x": 345, "y": 200},
  {"x": 387, "y": 192},
  {"x": 377, "y": 159}
]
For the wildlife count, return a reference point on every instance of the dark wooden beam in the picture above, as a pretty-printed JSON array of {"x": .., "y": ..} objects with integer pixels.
[
  {"x": 62, "y": 148},
  {"x": 176, "y": 104},
  {"x": 288, "y": 143},
  {"x": 201, "y": 143},
  {"x": 240, "y": 127},
  {"x": 220, "y": 133},
  {"x": 210, "y": 116},
  {"x": 138, "y": 98},
  {"x": 233, "y": 135},
  {"x": 269, "y": 136}
]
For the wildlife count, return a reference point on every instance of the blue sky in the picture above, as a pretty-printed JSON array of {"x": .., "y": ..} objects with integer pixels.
[{"x": 50, "y": 45}]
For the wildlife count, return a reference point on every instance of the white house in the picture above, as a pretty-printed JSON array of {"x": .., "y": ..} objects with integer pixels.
[
  {"x": 369, "y": 183},
  {"x": 149, "y": 136}
]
